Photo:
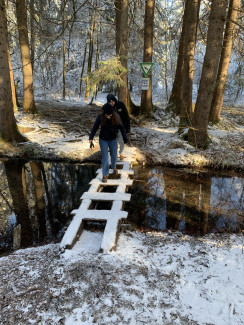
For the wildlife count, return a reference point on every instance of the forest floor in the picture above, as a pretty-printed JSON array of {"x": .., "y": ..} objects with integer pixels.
[
  {"x": 60, "y": 132},
  {"x": 153, "y": 278}
]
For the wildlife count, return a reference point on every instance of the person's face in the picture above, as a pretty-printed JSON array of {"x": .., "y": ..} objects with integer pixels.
[
  {"x": 112, "y": 102},
  {"x": 108, "y": 116}
]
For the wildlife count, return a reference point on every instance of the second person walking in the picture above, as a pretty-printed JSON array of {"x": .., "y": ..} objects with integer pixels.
[{"x": 110, "y": 125}]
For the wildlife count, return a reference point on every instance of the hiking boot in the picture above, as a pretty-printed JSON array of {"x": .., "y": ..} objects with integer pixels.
[
  {"x": 115, "y": 171},
  {"x": 105, "y": 179}
]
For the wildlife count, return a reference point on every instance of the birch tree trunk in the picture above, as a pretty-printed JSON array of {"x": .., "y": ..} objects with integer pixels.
[
  {"x": 197, "y": 134},
  {"x": 219, "y": 91},
  {"x": 146, "y": 95},
  {"x": 29, "y": 102}
]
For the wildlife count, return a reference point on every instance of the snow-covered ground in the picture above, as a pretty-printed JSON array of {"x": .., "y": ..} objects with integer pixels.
[
  {"x": 156, "y": 139},
  {"x": 152, "y": 278}
]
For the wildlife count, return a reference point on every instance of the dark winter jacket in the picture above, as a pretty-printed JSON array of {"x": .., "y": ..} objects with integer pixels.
[
  {"x": 121, "y": 110},
  {"x": 108, "y": 131}
]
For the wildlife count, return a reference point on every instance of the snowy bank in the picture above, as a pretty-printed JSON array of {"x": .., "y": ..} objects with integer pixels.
[
  {"x": 152, "y": 278},
  {"x": 61, "y": 132}
]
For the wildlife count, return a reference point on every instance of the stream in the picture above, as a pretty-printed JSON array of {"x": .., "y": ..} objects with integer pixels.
[{"x": 37, "y": 197}]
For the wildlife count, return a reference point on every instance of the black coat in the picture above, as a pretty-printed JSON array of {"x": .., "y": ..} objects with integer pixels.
[
  {"x": 122, "y": 111},
  {"x": 108, "y": 131}
]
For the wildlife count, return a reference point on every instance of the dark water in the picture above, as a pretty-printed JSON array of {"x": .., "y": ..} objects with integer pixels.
[
  {"x": 188, "y": 201},
  {"x": 36, "y": 199}
]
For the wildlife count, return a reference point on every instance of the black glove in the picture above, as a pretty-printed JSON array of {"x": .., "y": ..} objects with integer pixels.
[{"x": 91, "y": 145}]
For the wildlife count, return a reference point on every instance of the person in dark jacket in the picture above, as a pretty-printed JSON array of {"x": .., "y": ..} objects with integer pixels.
[
  {"x": 110, "y": 125},
  {"x": 122, "y": 111}
]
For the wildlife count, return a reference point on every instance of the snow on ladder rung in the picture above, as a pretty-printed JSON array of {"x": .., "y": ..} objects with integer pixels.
[
  {"x": 100, "y": 214},
  {"x": 120, "y": 171},
  {"x": 75, "y": 227},
  {"x": 126, "y": 165},
  {"x": 112, "y": 217},
  {"x": 111, "y": 182},
  {"x": 101, "y": 196},
  {"x": 122, "y": 177}
]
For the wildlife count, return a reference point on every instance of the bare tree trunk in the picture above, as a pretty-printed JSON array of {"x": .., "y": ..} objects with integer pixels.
[
  {"x": 64, "y": 69},
  {"x": 174, "y": 103},
  {"x": 146, "y": 95},
  {"x": 191, "y": 21},
  {"x": 166, "y": 80},
  {"x": 97, "y": 50},
  {"x": 131, "y": 107},
  {"x": 97, "y": 29},
  {"x": 82, "y": 69},
  {"x": 32, "y": 32},
  {"x": 29, "y": 102},
  {"x": 219, "y": 91},
  {"x": 117, "y": 4},
  {"x": 240, "y": 80},
  {"x": 90, "y": 55},
  {"x": 64, "y": 51},
  {"x": 14, "y": 97},
  {"x": 197, "y": 134},
  {"x": 123, "y": 49},
  {"x": 8, "y": 127},
  {"x": 71, "y": 27}
]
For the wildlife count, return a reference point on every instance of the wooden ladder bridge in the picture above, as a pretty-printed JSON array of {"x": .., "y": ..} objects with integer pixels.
[{"x": 112, "y": 217}]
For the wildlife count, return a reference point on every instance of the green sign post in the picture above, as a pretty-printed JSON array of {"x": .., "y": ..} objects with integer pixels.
[{"x": 146, "y": 67}]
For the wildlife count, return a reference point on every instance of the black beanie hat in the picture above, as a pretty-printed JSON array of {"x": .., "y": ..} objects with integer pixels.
[
  {"x": 111, "y": 97},
  {"x": 108, "y": 109}
]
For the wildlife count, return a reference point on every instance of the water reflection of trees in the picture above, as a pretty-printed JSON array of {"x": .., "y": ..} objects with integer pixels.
[
  {"x": 178, "y": 201},
  {"x": 190, "y": 202},
  {"x": 41, "y": 197},
  {"x": 36, "y": 170},
  {"x": 228, "y": 214},
  {"x": 188, "y": 199},
  {"x": 17, "y": 187}
]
